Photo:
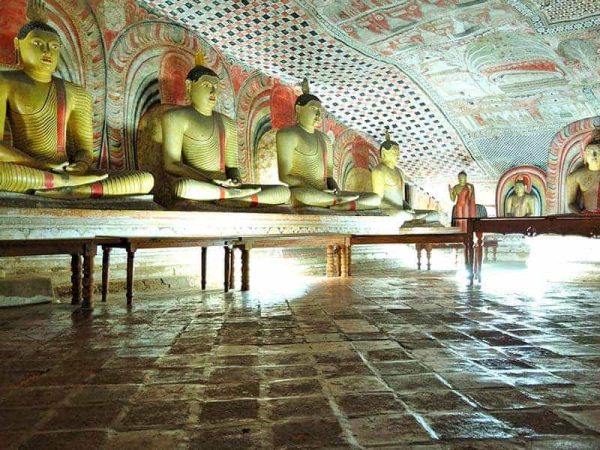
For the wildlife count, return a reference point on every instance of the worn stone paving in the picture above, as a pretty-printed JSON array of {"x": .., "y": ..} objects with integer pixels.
[{"x": 417, "y": 361}]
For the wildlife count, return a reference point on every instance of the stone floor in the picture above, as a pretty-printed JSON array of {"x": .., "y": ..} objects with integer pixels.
[{"x": 418, "y": 362}]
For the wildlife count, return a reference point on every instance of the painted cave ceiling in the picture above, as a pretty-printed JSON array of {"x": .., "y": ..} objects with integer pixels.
[{"x": 481, "y": 85}]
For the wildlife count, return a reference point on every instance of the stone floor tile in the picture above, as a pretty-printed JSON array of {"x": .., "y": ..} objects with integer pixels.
[
  {"x": 39, "y": 396},
  {"x": 366, "y": 404},
  {"x": 222, "y": 391},
  {"x": 387, "y": 429},
  {"x": 103, "y": 394},
  {"x": 468, "y": 426},
  {"x": 82, "y": 417},
  {"x": 245, "y": 437},
  {"x": 499, "y": 399},
  {"x": 72, "y": 440},
  {"x": 218, "y": 411},
  {"x": 285, "y": 408},
  {"x": 294, "y": 388},
  {"x": 355, "y": 384},
  {"x": 14, "y": 419},
  {"x": 168, "y": 392},
  {"x": 148, "y": 440},
  {"x": 537, "y": 423},
  {"x": 436, "y": 401},
  {"x": 309, "y": 433},
  {"x": 590, "y": 417},
  {"x": 412, "y": 383},
  {"x": 167, "y": 414}
]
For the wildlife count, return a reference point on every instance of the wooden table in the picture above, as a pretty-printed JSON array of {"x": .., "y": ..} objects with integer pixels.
[
  {"x": 332, "y": 242},
  {"x": 487, "y": 245},
  {"x": 565, "y": 225},
  {"x": 443, "y": 236},
  {"x": 133, "y": 244},
  {"x": 82, "y": 286}
]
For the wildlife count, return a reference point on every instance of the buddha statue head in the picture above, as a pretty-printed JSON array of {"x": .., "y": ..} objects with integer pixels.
[
  {"x": 202, "y": 86},
  {"x": 37, "y": 44},
  {"x": 519, "y": 187},
  {"x": 591, "y": 155},
  {"x": 389, "y": 151},
  {"x": 462, "y": 177},
  {"x": 308, "y": 109}
]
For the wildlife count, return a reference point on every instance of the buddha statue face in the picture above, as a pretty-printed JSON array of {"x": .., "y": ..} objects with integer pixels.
[
  {"x": 519, "y": 188},
  {"x": 591, "y": 156},
  {"x": 204, "y": 92},
  {"x": 462, "y": 178},
  {"x": 309, "y": 115},
  {"x": 391, "y": 155},
  {"x": 39, "y": 51}
]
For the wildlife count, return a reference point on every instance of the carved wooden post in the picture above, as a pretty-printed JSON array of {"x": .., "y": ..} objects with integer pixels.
[
  {"x": 343, "y": 270},
  {"x": 419, "y": 248},
  {"x": 245, "y": 268},
  {"x": 130, "y": 273},
  {"x": 232, "y": 269},
  {"x": 226, "y": 268},
  {"x": 330, "y": 267},
  {"x": 479, "y": 255},
  {"x": 203, "y": 268},
  {"x": 88, "y": 277},
  {"x": 76, "y": 287},
  {"x": 338, "y": 260},
  {"x": 349, "y": 260},
  {"x": 105, "y": 267},
  {"x": 428, "y": 248},
  {"x": 469, "y": 251}
]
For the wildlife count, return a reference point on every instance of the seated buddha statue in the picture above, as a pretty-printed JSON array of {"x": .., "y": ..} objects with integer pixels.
[
  {"x": 388, "y": 184},
  {"x": 583, "y": 185},
  {"x": 200, "y": 148},
  {"x": 464, "y": 195},
  {"x": 51, "y": 125},
  {"x": 520, "y": 203},
  {"x": 305, "y": 162}
]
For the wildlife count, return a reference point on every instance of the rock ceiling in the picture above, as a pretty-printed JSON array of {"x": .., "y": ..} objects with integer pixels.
[{"x": 480, "y": 85}]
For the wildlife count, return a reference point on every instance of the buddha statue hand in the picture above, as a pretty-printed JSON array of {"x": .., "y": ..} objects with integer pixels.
[
  {"x": 345, "y": 198},
  {"x": 228, "y": 183}
]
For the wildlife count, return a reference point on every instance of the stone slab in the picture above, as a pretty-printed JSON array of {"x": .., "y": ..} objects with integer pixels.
[{"x": 25, "y": 291}]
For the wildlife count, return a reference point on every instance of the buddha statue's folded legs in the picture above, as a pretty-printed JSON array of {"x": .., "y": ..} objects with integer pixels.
[
  {"x": 264, "y": 194},
  {"x": 117, "y": 185},
  {"x": 23, "y": 179}
]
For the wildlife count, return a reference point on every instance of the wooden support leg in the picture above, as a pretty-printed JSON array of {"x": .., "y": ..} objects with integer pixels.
[
  {"x": 494, "y": 250},
  {"x": 88, "y": 277},
  {"x": 245, "y": 268},
  {"x": 338, "y": 260},
  {"x": 130, "y": 273},
  {"x": 419, "y": 248},
  {"x": 203, "y": 268},
  {"x": 479, "y": 255},
  {"x": 349, "y": 259},
  {"x": 76, "y": 287},
  {"x": 344, "y": 261},
  {"x": 428, "y": 254},
  {"x": 330, "y": 268},
  {"x": 486, "y": 251},
  {"x": 232, "y": 269},
  {"x": 226, "y": 268},
  {"x": 105, "y": 268}
]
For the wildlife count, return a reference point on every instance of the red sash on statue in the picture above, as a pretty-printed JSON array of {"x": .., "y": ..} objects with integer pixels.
[
  {"x": 61, "y": 116},
  {"x": 221, "y": 131}
]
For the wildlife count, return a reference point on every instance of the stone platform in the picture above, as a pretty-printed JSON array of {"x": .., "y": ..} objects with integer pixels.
[{"x": 36, "y": 223}]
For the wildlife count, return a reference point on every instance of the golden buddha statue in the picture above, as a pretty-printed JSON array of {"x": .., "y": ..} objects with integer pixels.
[
  {"x": 200, "y": 148},
  {"x": 388, "y": 184},
  {"x": 464, "y": 195},
  {"x": 583, "y": 185},
  {"x": 51, "y": 125},
  {"x": 305, "y": 161},
  {"x": 520, "y": 203}
]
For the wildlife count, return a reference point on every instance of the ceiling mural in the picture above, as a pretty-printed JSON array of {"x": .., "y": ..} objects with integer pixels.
[{"x": 508, "y": 74}]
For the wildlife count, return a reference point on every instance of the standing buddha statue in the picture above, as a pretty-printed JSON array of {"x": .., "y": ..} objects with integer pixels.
[
  {"x": 51, "y": 125},
  {"x": 305, "y": 161},
  {"x": 200, "y": 148},
  {"x": 464, "y": 195}
]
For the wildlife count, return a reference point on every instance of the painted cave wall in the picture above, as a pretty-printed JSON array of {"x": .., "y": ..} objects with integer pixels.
[{"x": 134, "y": 63}]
